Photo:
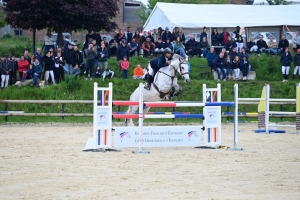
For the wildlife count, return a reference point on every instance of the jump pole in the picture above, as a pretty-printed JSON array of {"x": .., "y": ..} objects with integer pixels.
[
  {"x": 141, "y": 120},
  {"x": 236, "y": 120}
]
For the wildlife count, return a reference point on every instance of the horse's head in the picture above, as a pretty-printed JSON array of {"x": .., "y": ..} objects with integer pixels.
[{"x": 181, "y": 67}]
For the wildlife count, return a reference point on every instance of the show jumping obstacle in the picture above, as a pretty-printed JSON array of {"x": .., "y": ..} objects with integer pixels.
[{"x": 102, "y": 122}]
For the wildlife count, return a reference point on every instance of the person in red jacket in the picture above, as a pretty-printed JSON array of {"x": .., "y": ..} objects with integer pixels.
[
  {"x": 23, "y": 66},
  {"x": 124, "y": 67}
]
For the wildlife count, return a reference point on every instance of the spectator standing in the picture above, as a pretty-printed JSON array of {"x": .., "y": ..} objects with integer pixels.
[
  {"x": 297, "y": 63},
  {"x": 39, "y": 56},
  {"x": 148, "y": 47},
  {"x": 49, "y": 68},
  {"x": 5, "y": 68},
  {"x": 103, "y": 55},
  {"x": 90, "y": 60},
  {"x": 23, "y": 65},
  {"x": 68, "y": 56},
  {"x": 167, "y": 35},
  {"x": 37, "y": 71},
  {"x": 124, "y": 66},
  {"x": 224, "y": 37},
  {"x": 49, "y": 40},
  {"x": 107, "y": 74},
  {"x": 204, "y": 47},
  {"x": 203, "y": 34},
  {"x": 296, "y": 39},
  {"x": 286, "y": 60},
  {"x": 220, "y": 65},
  {"x": 230, "y": 44},
  {"x": 121, "y": 52},
  {"x": 272, "y": 46},
  {"x": 59, "y": 72},
  {"x": 128, "y": 35},
  {"x": 215, "y": 38},
  {"x": 77, "y": 58},
  {"x": 192, "y": 47},
  {"x": 138, "y": 72},
  {"x": 251, "y": 45},
  {"x": 239, "y": 39},
  {"x": 236, "y": 67},
  {"x": 119, "y": 36},
  {"x": 14, "y": 69},
  {"x": 67, "y": 42},
  {"x": 282, "y": 45},
  {"x": 134, "y": 48},
  {"x": 96, "y": 49},
  {"x": 159, "y": 46},
  {"x": 96, "y": 36},
  {"x": 229, "y": 67},
  {"x": 244, "y": 64},
  {"x": 26, "y": 57},
  {"x": 89, "y": 35},
  {"x": 211, "y": 58},
  {"x": 262, "y": 45},
  {"x": 181, "y": 35}
]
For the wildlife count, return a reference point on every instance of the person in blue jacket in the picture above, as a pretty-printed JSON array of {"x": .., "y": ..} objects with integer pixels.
[
  {"x": 37, "y": 71},
  {"x": 220, "y": 65},
  {"x": 244, "y": 66},
  {"x": 286, "y": 60},
  {"x": 211, "y": 58},
  {"x": 157, "y": 63}
]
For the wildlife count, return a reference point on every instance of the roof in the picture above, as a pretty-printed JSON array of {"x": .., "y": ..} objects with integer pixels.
[{"x": 221, "y": 15}]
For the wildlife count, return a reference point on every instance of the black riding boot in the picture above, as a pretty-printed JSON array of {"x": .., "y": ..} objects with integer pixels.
[{"x": 149, "y": 81}]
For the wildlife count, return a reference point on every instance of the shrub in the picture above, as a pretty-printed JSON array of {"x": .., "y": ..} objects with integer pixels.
[
  {"x": 7, "y": 36},
  {"x": 72, "y": 83}
]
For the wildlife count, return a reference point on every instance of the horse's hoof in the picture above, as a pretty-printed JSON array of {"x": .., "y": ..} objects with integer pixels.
[{"x": 167, "y": 97}]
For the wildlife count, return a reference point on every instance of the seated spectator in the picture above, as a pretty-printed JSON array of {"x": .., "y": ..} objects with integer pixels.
[
  {"x": 146, "y": 72},
  {"x": 272, "y": 46},
  {"x": 223, "y": 51},
  {"x": 286, "y": 60},
  {"x": 229, "y": 67},
  {"x": 107, "y": 74},
  {"x": 159, "y": 46},
  {"x": 167, "y": 35},
  {"x": 251, "y": 46},
  {"x": 296, "y": 39},
  {"x": 233, "y": 53},
  {"x": 23, "y": 65},
  {"x": 113, "y": 45},
  {"x": 27, "y": 74},
  {"x": 220, "y": 65},
  {"x": 203, "y": 34},
  {"x": 138, "y": 72},
  {"x": 244, "y": 54},
  {"x": 5, "y": 69},
  {"x": 37, "y": 71},
  {"x": 134, "y": 48},
  {"x": 230, "y": 44},
  {"x": 49, "y": 40},
  {"x": 224, "y": 37},
  {"x": 150, "y": 36},
  {"x": 76, "y": 71},
  {"x": 211, "y": 58},
  {"x": 215, "y": 38},
  {"x": 138, "y": 39},
  {"x": 204, "y": 46},
  {"x": 244, "y": 64},
  {"x": 297, "y": 63},
  {"x": 167, "y": 44},
  {"x": 179, "y": 47},
  {"x": 98, "y": 72},
  {"x": 282, "y": 45},
  {"x": 181, "y": 35},
  {"x": 262, "y": 45},
  {"x": 144, "y": 37},
  {"x": 148, "y": 47},
  {"x": 103, "y": 55},
  {"x": 124, "y": 66},
  {"x": 192, "y": 47},
  {"x": 236, "y": 67}
]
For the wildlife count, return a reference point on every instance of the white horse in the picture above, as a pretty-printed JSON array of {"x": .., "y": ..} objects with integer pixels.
[{"x": 164, "y": 85}]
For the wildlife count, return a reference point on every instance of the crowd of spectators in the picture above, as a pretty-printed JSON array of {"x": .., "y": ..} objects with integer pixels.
[{"x": 226, "y": 55}]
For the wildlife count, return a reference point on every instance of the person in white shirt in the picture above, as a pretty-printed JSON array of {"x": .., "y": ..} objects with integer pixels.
[
  {"x": 49, "y": 40},
  {"x": 107, "y": 74}
]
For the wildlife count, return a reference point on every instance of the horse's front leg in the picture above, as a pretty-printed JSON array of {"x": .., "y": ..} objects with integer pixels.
[{"x": 178, "y": 91}]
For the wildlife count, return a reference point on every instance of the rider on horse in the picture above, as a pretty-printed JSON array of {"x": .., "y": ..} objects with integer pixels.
[{"x": 157, "y": 63}]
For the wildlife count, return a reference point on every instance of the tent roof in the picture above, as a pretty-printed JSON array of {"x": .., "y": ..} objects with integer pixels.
[
  {"x": 264, "y": 2},
  {"x": 221, "y": 15}
]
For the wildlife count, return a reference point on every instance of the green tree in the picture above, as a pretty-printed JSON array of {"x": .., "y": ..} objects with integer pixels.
[
  {"x": 278, "y": 2},
  {"x": 2, "y": 19},
  {"x": 146, "y": 10}
]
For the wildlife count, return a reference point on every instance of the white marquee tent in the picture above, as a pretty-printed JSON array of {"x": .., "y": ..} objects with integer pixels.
[
  {"x": 264, "y": 2},
  {"x": 196, "y": 16}
]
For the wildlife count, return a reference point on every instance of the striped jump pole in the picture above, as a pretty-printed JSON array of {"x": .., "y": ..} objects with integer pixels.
[{"x": 154, "y": 116}]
